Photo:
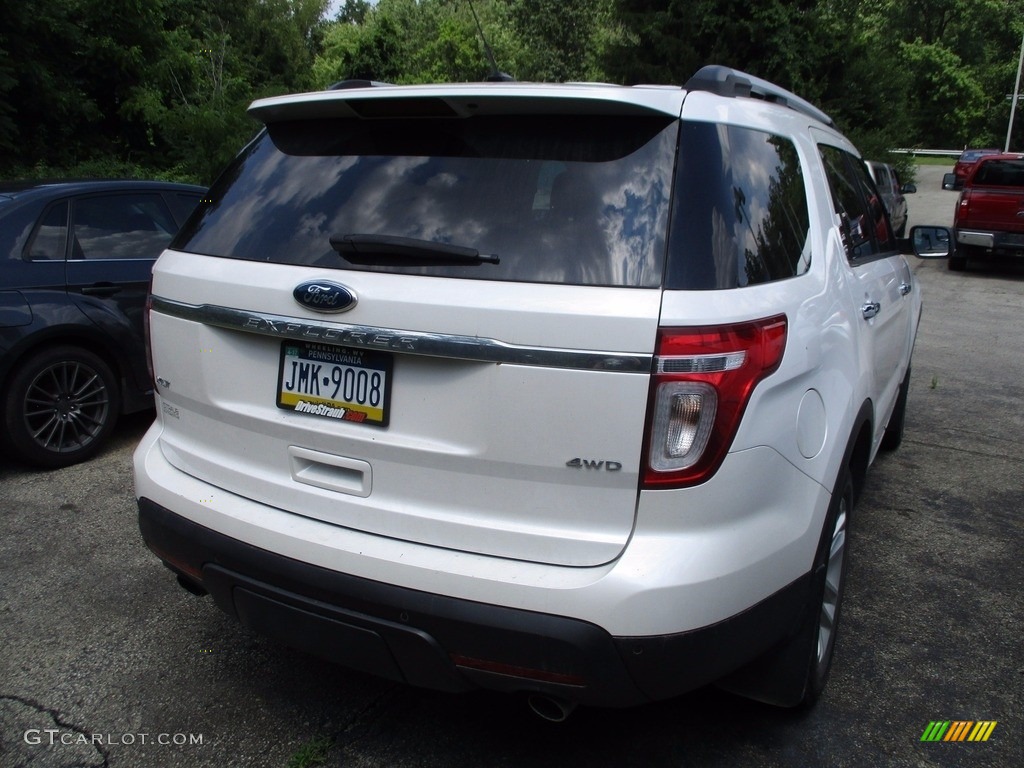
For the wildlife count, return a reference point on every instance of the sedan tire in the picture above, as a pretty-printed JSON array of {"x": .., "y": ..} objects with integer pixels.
[{"x": 60, "y": 407}]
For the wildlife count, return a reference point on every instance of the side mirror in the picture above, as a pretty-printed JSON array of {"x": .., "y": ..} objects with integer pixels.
[
  {"x": 908, "y": 188},
  {"x": 927, "y": 242},
  {"x": 949, "y": 181}
]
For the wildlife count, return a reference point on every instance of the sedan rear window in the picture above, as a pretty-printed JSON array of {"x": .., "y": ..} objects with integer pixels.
[{"x": 572, "y": 199}]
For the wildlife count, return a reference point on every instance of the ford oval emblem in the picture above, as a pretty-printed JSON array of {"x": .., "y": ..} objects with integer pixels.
[{"x": 324, "y": 296}]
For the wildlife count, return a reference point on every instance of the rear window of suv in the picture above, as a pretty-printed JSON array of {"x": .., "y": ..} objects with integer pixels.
[{"x": 578, "y": 199}]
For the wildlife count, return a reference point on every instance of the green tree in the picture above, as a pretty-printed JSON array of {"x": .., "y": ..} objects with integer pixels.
[
  {"x": 956, "y": 59},
  {"x": 155, "y": 85},
  {"x": 559, "y": 41},
  {"x": 405, "y": 41},
  {"x": 666, "y": 42},
  {"x": 69, "y": 67},
  {"x": 947, "y": 102},
  {"x": 402, "y": 41}
]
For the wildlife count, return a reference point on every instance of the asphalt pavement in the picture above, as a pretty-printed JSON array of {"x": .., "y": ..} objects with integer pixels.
[{"x": 105, "y": 661}]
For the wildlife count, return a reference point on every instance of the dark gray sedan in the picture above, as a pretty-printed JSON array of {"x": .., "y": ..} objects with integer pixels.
[{"x": 75, "y": 263}]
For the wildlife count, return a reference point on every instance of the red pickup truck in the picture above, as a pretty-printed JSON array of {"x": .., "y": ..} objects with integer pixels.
[{"x": 989, "y": 217}]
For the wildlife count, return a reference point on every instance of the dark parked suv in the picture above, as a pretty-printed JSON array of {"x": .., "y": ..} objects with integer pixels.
[{"x": 75, "y": 263}]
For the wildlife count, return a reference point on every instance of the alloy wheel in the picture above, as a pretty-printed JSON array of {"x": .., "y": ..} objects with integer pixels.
[{"x": 66, "y": 406}]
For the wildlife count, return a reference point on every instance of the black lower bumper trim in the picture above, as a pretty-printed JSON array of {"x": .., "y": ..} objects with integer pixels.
[{"x": 418, "y": 638}]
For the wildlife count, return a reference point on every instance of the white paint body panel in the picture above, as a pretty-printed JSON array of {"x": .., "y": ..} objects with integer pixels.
[{"x": 475, "y": 456}]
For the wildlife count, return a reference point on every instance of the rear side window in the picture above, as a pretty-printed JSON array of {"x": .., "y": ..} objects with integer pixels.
[
  {"x": 574, "y": 199},
  {"x": 740, "y": 213},
  {"x": 133, "y": 226},
  {"x": 50, "y": 239},
  {"x": 865, "y": 226}
]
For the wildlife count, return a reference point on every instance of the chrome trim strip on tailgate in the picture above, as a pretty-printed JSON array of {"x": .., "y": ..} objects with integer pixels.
[{"x": 472, "y": 348}]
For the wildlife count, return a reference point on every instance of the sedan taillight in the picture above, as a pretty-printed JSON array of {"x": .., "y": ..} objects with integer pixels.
[{"x": 701, "y": 383}]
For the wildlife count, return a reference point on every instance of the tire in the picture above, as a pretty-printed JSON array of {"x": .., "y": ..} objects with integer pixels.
[
  {"x": 894, "y": 429},
  {"x": 829, "y": 584},
  {"x": 60, "y": 407},
  {"x": 794, "y": 673},
  {"x": 958, "y": 259}
]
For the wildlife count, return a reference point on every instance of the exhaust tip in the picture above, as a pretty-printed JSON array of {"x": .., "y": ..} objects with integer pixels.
[{"x": 550, "y": 708}]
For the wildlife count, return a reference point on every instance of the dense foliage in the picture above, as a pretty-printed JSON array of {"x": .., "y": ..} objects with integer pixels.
[{"x": 160, "y": 87}]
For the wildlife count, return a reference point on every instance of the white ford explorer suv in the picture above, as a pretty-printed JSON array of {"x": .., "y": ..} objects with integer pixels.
[{"x": 566, "y": 390}]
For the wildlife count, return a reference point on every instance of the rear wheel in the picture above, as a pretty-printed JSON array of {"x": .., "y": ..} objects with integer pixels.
[
  {"x": 958, "y": 259},
  {"x": 827, "y": 593},
  {"x": 60, "y": 407},
  {"x": 794, "y": 673}
]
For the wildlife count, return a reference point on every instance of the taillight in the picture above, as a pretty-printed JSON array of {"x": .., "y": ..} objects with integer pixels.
[
  {"x": 963, "y": 206},
  {"x": 700, "y": 386},
  {"x": 146, "y": 334}
]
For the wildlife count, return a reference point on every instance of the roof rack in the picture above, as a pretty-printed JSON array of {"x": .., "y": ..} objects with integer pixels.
[
  {"x": 726, "y": 81},
  {"x": 343, "y": 85}
]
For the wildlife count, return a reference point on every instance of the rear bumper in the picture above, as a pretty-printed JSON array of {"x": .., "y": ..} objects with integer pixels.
[
  {"x": 439, "y": 642},
  {"x": 1003, "y": 243}
]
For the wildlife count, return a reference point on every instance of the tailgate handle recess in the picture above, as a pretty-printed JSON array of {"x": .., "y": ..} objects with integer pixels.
[{"x": 333, "y": 473}]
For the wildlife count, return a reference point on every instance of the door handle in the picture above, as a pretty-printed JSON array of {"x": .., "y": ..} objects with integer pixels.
[
  {"x": 870, "y": 309},
  {"x": 101, "y": 289},
  {"x": 905, "y": 288}
]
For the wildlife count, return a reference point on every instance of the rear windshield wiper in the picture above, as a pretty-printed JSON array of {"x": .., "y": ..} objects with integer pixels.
[{"x": 368, "y": 249}]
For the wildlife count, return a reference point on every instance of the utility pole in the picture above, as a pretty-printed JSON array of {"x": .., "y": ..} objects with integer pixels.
[{"x": 1016, "y": 91}]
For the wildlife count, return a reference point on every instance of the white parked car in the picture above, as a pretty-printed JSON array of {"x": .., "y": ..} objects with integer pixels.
[
  {"x": 893, "y": 194},
  {"x": 558, "y": 389}
]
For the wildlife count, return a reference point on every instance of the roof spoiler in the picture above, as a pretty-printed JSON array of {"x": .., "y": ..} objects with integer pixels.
[{"x": 726, "y": 81}]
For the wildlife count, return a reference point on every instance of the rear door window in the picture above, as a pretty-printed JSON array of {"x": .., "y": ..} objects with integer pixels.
[
  {"x": 569, "y": 199},
  {"x": 125, "y": 226}
]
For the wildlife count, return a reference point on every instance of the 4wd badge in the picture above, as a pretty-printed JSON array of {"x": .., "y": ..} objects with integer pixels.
[{"x": 607, "y": 466}]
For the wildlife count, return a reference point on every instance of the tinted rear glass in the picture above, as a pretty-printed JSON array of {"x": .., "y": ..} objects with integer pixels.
[
  {"x": 561, "y": 199},
  {"x": 740, "y": 212}
]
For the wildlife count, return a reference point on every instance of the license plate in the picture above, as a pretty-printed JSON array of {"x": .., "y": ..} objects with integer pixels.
[{"x": 335, "y": 382}]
